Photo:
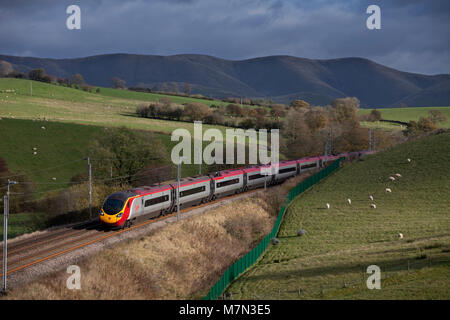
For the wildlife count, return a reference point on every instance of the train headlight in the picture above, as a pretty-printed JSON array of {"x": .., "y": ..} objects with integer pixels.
[
  {"x": 120, "y": 215},
  {"x": 101, "y": 213}
]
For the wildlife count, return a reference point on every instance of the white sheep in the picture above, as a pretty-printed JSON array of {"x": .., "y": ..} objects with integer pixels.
[
  {"x": 54, "y": 179},
  {"x": 400, "y": 236},
  {"x": 35, "y": 153},
  {"x": 373, "y": 206},
  {"x": 43, "y": 128},
  {"x": 349, "y": 201},
  {"x": 328, "y": 206},
  {"x": 398, "y": 175},
  {"x": 34, "y": 149},
  {"x": 409, "y": 160},
  {"x": 388, "y": 190},
  {"x": 392, "y": 178},
  {"x": 371, "y": 198}
]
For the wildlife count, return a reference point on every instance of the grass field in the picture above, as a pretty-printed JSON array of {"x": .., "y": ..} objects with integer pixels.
[
  {"x": 330, "y": 261},
  {"x": 408, "y": 114},
  {"x": 56, "y": 103}
]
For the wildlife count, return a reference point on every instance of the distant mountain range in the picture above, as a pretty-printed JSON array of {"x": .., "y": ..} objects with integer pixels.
[{"x": 280, "y": 78}]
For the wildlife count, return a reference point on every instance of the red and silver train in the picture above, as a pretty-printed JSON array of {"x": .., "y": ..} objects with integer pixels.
[{"x": 123, "y": 208}]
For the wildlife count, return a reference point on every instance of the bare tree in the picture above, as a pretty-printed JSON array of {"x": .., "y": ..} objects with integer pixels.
[{"x": 118, "y": 83}]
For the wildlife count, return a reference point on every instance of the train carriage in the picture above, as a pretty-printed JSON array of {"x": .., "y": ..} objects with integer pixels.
[
  {"x": 286, "y": 169},
  {"x": 194, "y": 191},
  {"x": 228, "y": 182},
  {"x": 255, "y": 178},
  {"x": 307, "y": 164}
]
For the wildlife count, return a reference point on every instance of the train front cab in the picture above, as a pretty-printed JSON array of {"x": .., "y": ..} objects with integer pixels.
[{"x": 115, "y": 210}]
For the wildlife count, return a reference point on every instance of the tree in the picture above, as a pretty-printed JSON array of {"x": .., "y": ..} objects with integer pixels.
[
  {"x": 187, "y": 88},
  {"x": 127, "y": 151},
  {"x": 299, "y": 104},
  {"x": 196, "y": 111},
  {"x": 36, "y": 74},
  {"x": 426, "y": 124},
  {"x": 375, "y": 115},
  {"x": 234, "y": 109},
  {"x": 77, "y": 79},
  {"x": 5, "y": 68},
  {"x": 346, "y": 110},
  {"x": 437, "y": 116},
  {"x": 277, "y": 110},
  {"x": 118, "y": 83}
]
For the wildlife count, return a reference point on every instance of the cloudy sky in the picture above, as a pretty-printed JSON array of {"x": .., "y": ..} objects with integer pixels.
[{"x": 414, "y": 34}]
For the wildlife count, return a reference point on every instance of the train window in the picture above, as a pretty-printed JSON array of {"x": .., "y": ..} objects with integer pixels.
[
  {"x": 192, "y": 191},
  {"x": 157, "y": 200},
  {"x": 311, "y": 165},
  {"x": 285, "y": 170},
  {"x": 255, "y": 176},
  {"x": 227, "y": 183}
]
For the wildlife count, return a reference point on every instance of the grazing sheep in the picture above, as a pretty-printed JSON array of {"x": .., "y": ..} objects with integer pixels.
[
  {"x": 34, "y": 149},
  {"x": 328, "y": 206},
  {"x": 388, "y": 190},
  {"x": 54, "y": 179},
  {"x": 275, "y": 241},
  {"x": 409, "y": 160},
  {"x": 349, "y": 201},
  {"x": 373, "y": 206},
  {"x": 398, "y": 175},
  {"x": 371, "y": 198},
  {"x": 392, "y": 178},
  {"x": 301, "y": 232},
  {"x": 400, "y": 236},
  {"x": 35, "y": 153},
  {"x": 43, "y": 128}
]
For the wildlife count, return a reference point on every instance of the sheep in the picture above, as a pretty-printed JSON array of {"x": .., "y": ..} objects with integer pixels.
[
  {"x": 43, "y": 128},
  {"x": 328, "y": 206},
  {"x": 301, "y": 232},
  {"x": 371, "y": 198},
  {"x": 373, "y": 206},
  {"x": 409, "y": 160},
  {"x": 54, "y": 179},
  {"x": 34, "y": 149},
  {"x": 35, "y": 153},
  {"x": 398, "y": 175},
  {"x": 388, "y": 190},
  {"x": 400, "y": 236},
  {"x": 275, "y": 241},
  {"x": 349, "y": 201},
  {"x": 392, "y": 178}
]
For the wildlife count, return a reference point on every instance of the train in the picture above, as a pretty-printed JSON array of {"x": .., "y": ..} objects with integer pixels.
[{"x": 122, "y": 209}]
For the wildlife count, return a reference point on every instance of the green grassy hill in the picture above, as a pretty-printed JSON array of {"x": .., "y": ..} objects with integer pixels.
[
  {"x": 330, "y": 261},
  {"x": 109, "y": 108},
  {"x": 408, "y": 114}
]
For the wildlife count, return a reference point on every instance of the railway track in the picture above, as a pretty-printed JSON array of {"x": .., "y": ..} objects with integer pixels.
[{"x": 33, "y": 250}]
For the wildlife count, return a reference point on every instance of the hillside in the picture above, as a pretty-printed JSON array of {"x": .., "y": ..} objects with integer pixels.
[
  {"x": 110, "y": 108},
  {"x": 330, "y": 261},
  {"x": 281, "y": 78}
]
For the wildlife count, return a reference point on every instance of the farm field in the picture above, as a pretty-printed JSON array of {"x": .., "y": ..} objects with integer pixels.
[
  {"x": 57, "y": 103},
  {"x": 330, "y": 261},
  {"x": 408, "y": 114}
]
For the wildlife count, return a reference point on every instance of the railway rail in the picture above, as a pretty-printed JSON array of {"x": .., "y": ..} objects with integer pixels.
[{"x": 33, "y": 250}]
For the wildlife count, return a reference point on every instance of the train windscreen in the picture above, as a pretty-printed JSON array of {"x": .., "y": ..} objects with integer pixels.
[{"x": 113, "y": 205}]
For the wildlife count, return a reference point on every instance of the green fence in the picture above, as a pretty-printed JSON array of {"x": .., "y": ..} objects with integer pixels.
[{"x": 250, "y": 258}]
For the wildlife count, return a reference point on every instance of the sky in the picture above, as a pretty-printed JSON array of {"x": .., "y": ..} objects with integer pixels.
[{"x": 414, "y": 34}]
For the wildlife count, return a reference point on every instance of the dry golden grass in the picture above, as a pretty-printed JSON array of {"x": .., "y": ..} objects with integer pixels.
[{"x": 182, "y": 260}]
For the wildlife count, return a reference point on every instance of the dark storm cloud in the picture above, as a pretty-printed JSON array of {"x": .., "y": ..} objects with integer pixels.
[{"x": 413, "y": 36}]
